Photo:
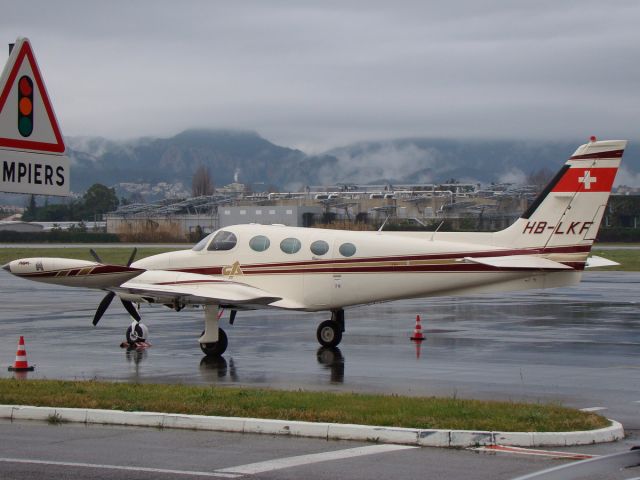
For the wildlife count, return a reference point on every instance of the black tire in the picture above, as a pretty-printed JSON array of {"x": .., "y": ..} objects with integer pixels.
[
  {"x": 329, "y": 333},
  {"x": 134, "y": 336},
  {"x": 215, "y": 349}
]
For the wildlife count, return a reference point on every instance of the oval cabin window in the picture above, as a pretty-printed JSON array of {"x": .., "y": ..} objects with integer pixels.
[
  {"x": 347, "y": 249},
  {"x": 290, "y": 245},
  {"x": 319, "y": 247},
  {"x": 259, "y": 243}
]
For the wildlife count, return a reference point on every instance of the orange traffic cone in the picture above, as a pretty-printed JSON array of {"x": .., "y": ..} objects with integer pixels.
[
  {"x": 21, "y": 364},
  {"x": 417, "y": 331}
]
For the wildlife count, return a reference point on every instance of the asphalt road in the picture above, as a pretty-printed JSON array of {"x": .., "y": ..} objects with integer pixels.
[
  {"x": 578, "y": 346},
  {"x": 38, "y": 450}
]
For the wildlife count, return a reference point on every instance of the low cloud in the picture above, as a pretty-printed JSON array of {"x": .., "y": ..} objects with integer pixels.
[
  {"x": 626, "y": 177},
  {"x": 514, "y": 176},
  {"x": 386, "y": 160}
]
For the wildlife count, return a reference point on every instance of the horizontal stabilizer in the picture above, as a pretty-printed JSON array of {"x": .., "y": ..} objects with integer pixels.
[
  {"x": 595, "y": 261},
  {"x": 519, "y": 261}
]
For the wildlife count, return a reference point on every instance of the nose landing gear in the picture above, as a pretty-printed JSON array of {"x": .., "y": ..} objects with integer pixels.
[
  {"x": 213, "y": 341},
  {"x": 215, "y": 349}
]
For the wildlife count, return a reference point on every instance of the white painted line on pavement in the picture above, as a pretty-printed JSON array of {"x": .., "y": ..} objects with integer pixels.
[
  {"x": 593, "y": 409},
  {"x": 280, "y": 463},
  {"x": 531, "y": 451},
  {"x": 119, "y": 467}
]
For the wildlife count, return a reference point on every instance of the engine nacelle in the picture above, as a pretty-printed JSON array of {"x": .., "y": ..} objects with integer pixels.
[{"x": 71, "y": 272}]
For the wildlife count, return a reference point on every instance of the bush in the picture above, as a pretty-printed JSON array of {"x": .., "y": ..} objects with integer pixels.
[{"x": 619, "y": 234}]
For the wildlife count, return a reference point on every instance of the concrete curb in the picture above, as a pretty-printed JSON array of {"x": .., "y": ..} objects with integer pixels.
[{"x": 329, "y": 431}]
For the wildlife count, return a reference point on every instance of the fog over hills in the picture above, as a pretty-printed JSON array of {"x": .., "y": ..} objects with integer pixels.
[{"x": 259, "y": 163}]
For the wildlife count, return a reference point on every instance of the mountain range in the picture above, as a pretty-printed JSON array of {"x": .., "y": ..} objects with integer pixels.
[{"x": 248, "y": 158}]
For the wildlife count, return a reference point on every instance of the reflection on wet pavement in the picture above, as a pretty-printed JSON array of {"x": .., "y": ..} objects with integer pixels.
[
  {"x": 577, "y": 345},
  {"x": 331, "y": 358}
]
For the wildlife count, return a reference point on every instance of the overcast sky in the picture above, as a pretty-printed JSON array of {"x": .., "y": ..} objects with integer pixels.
[{"x": 319, "y": 74}]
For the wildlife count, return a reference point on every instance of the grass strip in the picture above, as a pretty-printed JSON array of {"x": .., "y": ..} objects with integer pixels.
[
  {"x": 629, "y": 260},
  {"x": 363, "y": 409}
]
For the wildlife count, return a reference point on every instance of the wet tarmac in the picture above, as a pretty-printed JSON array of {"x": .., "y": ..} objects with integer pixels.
[{"x": 579, "y": 346}]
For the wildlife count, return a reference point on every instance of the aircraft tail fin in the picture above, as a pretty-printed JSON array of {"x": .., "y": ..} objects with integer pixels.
[{"x": 566, "y": 216}]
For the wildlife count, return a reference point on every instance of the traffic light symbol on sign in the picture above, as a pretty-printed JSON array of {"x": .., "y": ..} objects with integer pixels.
[
  {"x": 25, "y": 106},
  {"x": 27, "y": 119}
]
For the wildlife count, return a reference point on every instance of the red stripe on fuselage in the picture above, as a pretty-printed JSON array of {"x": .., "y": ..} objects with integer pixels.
[{"x": 354, "y": 265}]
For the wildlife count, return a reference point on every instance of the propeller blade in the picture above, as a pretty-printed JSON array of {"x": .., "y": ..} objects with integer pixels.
[
  {"x": 95, "y": 255},
  {"x": 128, "y": 304},
  {"x": 232, "y": 317},
  {"x": 104, "y": 304},
  {"x": 133, "y": 255}
]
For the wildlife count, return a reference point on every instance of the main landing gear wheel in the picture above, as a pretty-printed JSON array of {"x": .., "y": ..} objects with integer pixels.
[
  {"x": 215, "y": 349},
  {"x": 329, "y": 333}
]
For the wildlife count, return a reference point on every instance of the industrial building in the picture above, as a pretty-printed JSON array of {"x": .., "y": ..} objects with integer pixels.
[{"x": 341, "y": 205}]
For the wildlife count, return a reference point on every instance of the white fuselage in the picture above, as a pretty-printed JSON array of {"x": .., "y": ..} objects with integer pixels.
[{"x": 384, "y": 266}]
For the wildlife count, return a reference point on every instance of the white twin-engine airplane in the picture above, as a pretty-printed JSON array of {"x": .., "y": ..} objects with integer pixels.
[
  {"x": 247, "y": 267},
  {"x": 312, "y": 269}
]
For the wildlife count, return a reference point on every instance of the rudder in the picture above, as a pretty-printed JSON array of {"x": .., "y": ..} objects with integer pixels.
[{"x": 568, "y": 212}]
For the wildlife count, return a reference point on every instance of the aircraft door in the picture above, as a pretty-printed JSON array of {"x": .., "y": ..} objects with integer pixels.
[{"x": 342, "y": 281}]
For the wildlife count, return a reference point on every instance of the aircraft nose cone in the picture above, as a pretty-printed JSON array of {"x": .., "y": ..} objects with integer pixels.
[{"x": 7, "y": 267}]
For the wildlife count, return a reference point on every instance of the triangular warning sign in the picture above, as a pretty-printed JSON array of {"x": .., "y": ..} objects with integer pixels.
[{"x": 27, "y": 120}]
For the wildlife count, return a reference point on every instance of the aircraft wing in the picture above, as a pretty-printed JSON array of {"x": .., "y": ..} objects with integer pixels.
[
  {"x": 163, "y": 286},
  {"x": 519, "y": 261}
]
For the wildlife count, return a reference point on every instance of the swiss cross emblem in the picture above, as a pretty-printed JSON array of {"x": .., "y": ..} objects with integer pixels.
[{"x": 587, "y": 179}]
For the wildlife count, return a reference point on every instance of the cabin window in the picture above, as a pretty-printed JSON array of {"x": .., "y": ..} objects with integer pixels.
[
  {"x": 223, "y": 240},
  {"x": 290, "y": 245},
  {"x": 259, "y": 243},
  {"x": 202, "y": 243},
  {"x": 347, "y": 249},
  {"x": 319, "y": 247}
]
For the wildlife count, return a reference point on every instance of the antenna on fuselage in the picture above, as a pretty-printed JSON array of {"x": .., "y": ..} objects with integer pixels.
[
  {"x": 436, "y": 230},
  {"x": 383, "y": 223}
]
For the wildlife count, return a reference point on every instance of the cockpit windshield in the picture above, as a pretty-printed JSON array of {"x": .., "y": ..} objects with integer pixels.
[
  {"x": 223, "y": 240},
  {"x": 220, "y": 240},
  {"x": 202, "y": 243}
]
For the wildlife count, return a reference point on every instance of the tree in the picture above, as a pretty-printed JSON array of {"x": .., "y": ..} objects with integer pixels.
[
  {"x": 98, "y": 200},
  {"x": 201, "y": 184}
]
